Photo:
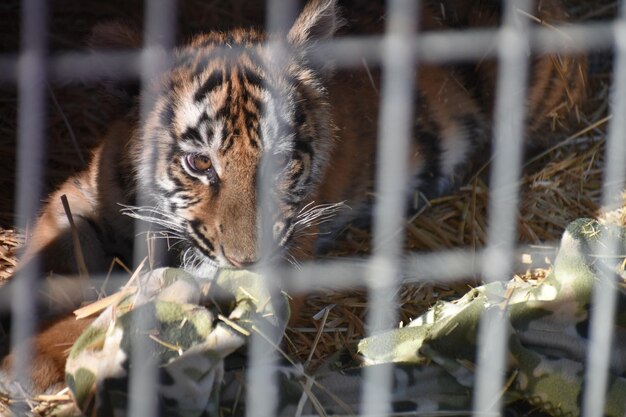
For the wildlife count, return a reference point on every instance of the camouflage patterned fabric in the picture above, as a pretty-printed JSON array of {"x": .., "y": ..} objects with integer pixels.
[
  {"x": 433, "y": 358},
  {"x": 548, "y": 323},
  {"x": 189, "y": 342}
]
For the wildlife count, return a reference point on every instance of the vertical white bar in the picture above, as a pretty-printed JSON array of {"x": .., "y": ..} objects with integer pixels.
[
  {"x": 394, "y": 133},
  {"x": 159, "y": 38},
  {"x": 30, "y": 167},
  {"x": 504, "y": 190},
  {"x": 604, "y": 296},
  {"x": 262, "y": 386}
]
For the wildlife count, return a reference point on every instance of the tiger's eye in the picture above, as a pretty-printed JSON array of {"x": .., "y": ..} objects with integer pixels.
[{"x": 199, "y": 163}]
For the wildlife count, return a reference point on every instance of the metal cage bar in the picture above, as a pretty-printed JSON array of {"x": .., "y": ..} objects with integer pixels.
[
  {"x": 30, "y": 161},
  {"x": 395, "y": 125},
  {"x": 261, "y": 373},
  {"x": 159, "y": 38},
  {"x": 604, "y": 297},
  {"x": 346, "y": 52},
  {"x": 503, "y": 200}
]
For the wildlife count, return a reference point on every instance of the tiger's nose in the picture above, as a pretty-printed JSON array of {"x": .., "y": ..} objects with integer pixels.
[{"x": 240, "y": 263}]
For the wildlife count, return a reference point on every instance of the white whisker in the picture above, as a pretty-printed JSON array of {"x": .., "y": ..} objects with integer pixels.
[
  {"x": 155, "y": 215},
  {"x": 311, "y": 215}
]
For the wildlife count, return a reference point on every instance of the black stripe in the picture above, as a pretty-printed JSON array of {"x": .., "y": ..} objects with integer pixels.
[
  {"x": 255, "y": 102},
  {"x": 198, "y": 236},
  {"x": 252, "y": 126},
  {"x": 166, "y": 117},
  {"x": 297, "y": 174},
  {"x": 253, "y": 142},
  {"x": 172, "y": 177},
  {"x": 304, "y": 146},
  {"x": 228, "y": 143},
  {"x": 160, "y": 189},
  {"x": 204, "y": 118},
  {"x": 227, "y": 140},
  {"x": 250, "y": 77},
  {"x": 209, "y": 134},
  {"x": 250, "y": 115},
  {"x": 186, "y": 58},
  {"x": 255, "y": 60},
  {"x": 224, "y": 111},
  {"x": 215, "y": 80},
  {"x": 192, "y": 134},
  {"x": 300, "y": 116},
  {"x": 474, "y": 128},
  {"x": 201, "y": 62},
  {"x": 204, "y": 251},
  {"x": 430, "y": 149},
  {"x": 172, "y": 193},
  {"x": 188, "y": 203}
]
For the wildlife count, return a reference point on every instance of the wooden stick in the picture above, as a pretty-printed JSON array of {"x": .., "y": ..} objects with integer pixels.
[{"x": 78, "y": 250}]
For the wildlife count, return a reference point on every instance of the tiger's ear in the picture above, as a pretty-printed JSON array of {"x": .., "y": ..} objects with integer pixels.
[
  {"x": 115, "y": 35},
  {"x": 318, "y": 21}
]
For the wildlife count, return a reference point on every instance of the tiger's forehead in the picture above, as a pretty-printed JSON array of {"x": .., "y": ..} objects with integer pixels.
[
  {"x": 220, "y": 93},
  {"x": 213, "y": 91}
]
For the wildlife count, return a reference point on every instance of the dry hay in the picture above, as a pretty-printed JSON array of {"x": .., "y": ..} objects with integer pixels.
[{"x": 10, "y": 241}]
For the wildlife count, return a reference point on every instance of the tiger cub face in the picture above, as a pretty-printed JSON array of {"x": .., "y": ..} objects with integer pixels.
[{"x": 228, "y": 102}]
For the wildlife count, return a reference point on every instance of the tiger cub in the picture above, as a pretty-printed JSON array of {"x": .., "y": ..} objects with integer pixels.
[{"x": 226, "y": 102}]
